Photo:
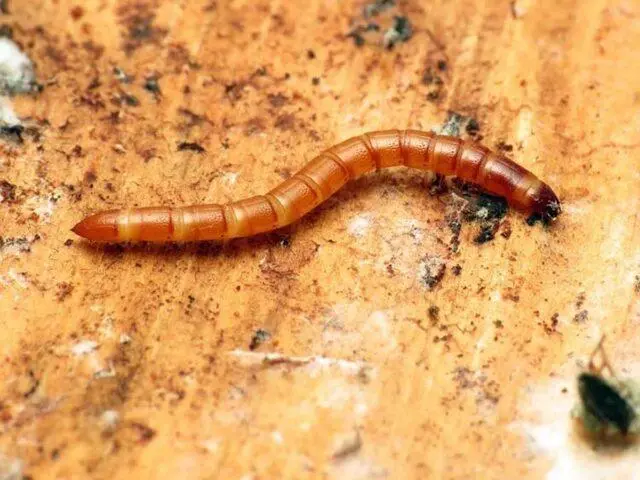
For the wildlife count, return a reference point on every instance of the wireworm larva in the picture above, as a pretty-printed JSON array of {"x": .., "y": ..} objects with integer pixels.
[{"x": 320, "y": 179}]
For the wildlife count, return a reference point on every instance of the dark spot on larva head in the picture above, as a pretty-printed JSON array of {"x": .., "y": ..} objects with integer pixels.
[{"x": 547, "y": 206}]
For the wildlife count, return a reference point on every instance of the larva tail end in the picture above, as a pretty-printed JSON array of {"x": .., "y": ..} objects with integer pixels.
[
  {"x": 546, "y": 205},
  {"x": 101, "y": 227}
]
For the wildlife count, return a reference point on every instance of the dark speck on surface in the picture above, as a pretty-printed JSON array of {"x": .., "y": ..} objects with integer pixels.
[
  {"x": 151, "y": 85},
  {"x": 259, "y": 338},
  {"x": 191, "y": 146},
  {"x": 401, "y": 31}
]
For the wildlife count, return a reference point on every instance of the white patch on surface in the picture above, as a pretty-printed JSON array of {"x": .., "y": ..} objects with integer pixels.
[
  {"x": 110, "y": 419},
  {"x": 313, "y": 363},
  {"x": 379, "y": 326},
  {"x": 230, "y": 178},
  {"x": 84, "y": 348},
  {"x": 10, "y": 468},
  {"x": 43, "y": 205},
  {"x": 106, "y": 327},
  {"x": 124, "y": 339},
  {"x": 7, "y": 116},
  {"x": 411, "y": 227},
  {"x": 360, "y": 224},
  {"x": 277, "y": 437},
  {"x": 579, "y": 207},
  {"x": 211, "y": 445},
  {"x": 14, "y": 279},
  {"x": 16, "y": 69},
  {"x": 524, "y": 127},
  {"x": 14, "y": 247},
  {"x": 18, "y": 278},
  {"x": 103, "y": 372}
]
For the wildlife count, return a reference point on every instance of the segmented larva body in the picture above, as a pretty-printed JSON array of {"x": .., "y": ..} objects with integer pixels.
[{"x": 321, "y": 178}]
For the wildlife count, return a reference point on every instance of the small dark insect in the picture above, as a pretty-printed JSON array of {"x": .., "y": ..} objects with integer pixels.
[{"x": 606, "y": 402}]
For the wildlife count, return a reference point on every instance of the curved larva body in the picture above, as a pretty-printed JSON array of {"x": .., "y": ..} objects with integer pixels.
[{"x": 321, "y": 178}]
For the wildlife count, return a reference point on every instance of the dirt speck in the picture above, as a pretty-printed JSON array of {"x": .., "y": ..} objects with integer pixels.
[
  {"x": 581, "y": 317},
  {"x": 277, "y": 100},
  {"x": 456, "y": 122},
  {"x": 551, "y": 326},
  {"x": 348, "y": 445},
  {"x": 7, "y": 192},
  {"x": 506, "y": 229},
  {"x": 259, "y": 337},
  {"x": 580, "y": 299},
  {"x": 434, "y": 314},
  {"x": 138, "y": 20},
  {"x": 254, "y": 126},
  {"x": 63, "y": 290},
  {"x": 142, "y": 432},
  {"x": 76, "y": 13},
  {"x": 432, "y": 271},
  {"x": 152, "y": 85},
  {"x": 400, "y": 31},
  {"x": 285, "y": 122},
  {"x": 191, "y": 146}
]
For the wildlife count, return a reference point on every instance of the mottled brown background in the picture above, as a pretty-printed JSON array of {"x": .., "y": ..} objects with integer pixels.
[{"x": 137, "y": 362}]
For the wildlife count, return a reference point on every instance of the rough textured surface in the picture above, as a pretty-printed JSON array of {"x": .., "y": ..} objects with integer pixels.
[{"x": 375, "y": 338}]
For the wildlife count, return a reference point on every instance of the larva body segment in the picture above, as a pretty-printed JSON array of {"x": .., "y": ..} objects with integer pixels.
[{"x": 321, "y": 178}]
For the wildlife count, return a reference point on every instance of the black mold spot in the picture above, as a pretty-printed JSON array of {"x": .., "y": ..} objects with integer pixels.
[
  {"x": 151, "y": 85},
  {"x": 455, "y": 122},
  {"x": 401, "y": 31}
]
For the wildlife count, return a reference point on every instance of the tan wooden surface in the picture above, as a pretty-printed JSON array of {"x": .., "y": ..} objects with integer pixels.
[{"x": 136, "y": 363}]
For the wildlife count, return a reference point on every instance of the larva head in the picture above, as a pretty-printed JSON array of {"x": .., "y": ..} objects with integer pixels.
[{"x": 545, "y": 203}]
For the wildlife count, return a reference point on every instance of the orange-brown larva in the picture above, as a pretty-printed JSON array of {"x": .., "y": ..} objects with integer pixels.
[{"x": 321, "y": 178}]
